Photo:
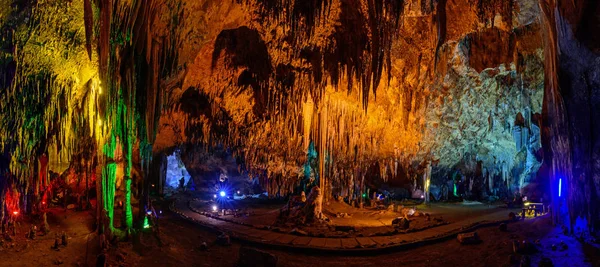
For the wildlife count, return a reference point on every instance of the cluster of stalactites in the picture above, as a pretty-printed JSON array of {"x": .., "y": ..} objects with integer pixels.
[
  {"x": 348, "y": 139},
  {"x": 344, "y": 40},
  {"x": 331, "y": 101},
  {"x": 50, "y": 100}
]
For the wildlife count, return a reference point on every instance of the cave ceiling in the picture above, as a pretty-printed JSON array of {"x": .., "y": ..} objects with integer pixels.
[{"x": 368, "y": 81}]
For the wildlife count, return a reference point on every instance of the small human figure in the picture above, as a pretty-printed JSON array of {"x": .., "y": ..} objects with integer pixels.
[{"x": 182, "y": 183}]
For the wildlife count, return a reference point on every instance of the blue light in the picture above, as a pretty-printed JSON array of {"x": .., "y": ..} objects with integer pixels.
[
  {"x": 559, "y": 186},
  {"x": 222, "y": 193}
]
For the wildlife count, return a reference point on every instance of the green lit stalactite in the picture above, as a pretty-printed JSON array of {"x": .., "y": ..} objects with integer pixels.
[
  {"x": 127, "y": 137},
  {"x": 146, "y": 222},
  {"x": 109, "y": 173},
  {"x": 128, "y": 211}
]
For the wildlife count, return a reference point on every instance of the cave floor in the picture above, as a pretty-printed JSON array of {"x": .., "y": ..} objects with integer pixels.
[
  {"x": 181, "y": 241},
  {"x": 329, "y": 238},
  {"x": 363, "y": 222}
]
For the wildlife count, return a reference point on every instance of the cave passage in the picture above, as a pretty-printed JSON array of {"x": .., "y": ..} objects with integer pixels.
[{"x": 360, "y": 127}]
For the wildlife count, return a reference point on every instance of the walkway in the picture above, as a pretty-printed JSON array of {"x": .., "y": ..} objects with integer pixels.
[{"x": 251, "y": 234}]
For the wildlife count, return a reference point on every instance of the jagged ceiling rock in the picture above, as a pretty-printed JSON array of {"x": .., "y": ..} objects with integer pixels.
[
  {"x": 459, "y": 73},
  {"x": 366, "y": 81}
]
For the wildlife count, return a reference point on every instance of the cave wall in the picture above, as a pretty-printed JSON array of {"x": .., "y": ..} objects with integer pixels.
[
  {"x": 459, "y": 75},
  {"x": 572, "y": 78}
]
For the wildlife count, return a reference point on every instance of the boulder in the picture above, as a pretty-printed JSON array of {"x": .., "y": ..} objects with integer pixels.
[
  {"x": 524, "y": 247},
  {"x": 468, "y": 238},
  {"x": 408, "y": 212},
  {"x": 401, "y": 222},
  {"x": 299, "y": 232},
  {"x": 343, "y": 228},
  {"x": 224, "y": 240},
  {"x": 343, "y": 215},
  {"x": 251, "y": 257},
  {"x": 203, "y": 246}
]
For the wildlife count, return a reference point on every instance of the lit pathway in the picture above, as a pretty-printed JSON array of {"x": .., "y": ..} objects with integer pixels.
[{"x": 181, "y": 206}]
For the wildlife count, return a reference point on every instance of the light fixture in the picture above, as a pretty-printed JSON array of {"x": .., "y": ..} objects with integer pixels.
[
  {"x": 559, "y": 186},
  {"x": 15, "y": 212},
  {"x": 238, "y": 192},
  {"x": 222, "y": 193},
  {"x": 215, "y": 196},
  {"x": 214, "y": 207},
  {"x": 146, "y": 223}
]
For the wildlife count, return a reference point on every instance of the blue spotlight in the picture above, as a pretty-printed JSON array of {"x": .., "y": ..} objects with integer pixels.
[
  {"x": 222, "y": 193},
  {"x": 559, "y": 186}
]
